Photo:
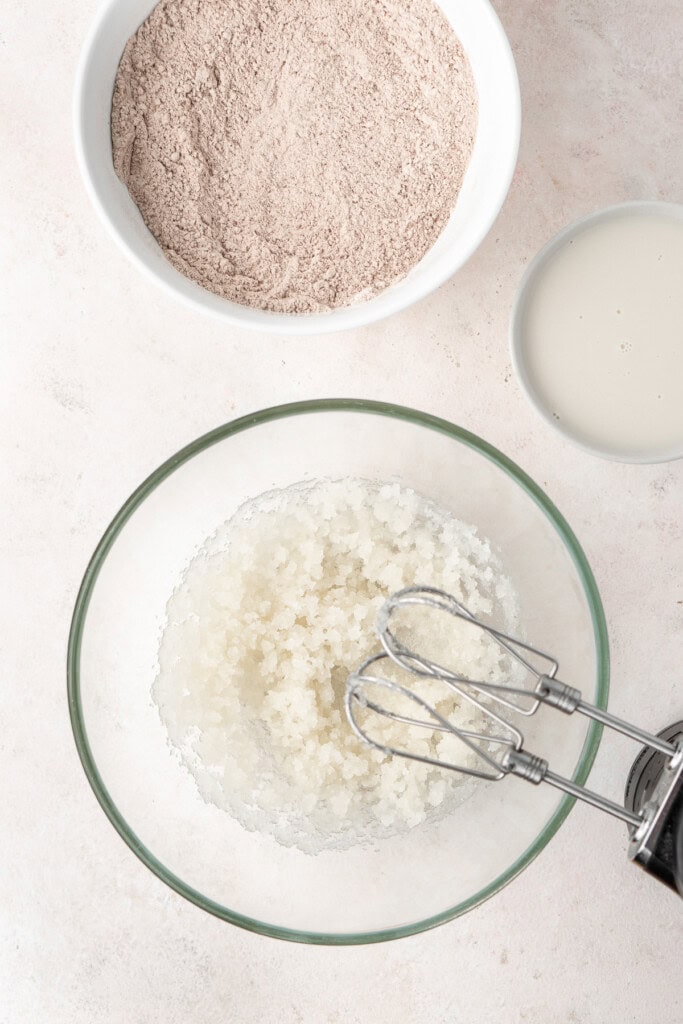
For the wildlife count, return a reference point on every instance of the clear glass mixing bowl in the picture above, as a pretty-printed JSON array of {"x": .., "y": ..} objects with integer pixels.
[{"x": 399, "y": 885}]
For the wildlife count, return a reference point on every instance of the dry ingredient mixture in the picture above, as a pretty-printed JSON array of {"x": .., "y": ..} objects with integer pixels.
[
  {"x": 294, "y": 155},
  {"x": 272, "y": 615}
]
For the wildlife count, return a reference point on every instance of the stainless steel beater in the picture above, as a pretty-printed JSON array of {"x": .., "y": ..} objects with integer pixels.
[{"x": 653, "y": 807}]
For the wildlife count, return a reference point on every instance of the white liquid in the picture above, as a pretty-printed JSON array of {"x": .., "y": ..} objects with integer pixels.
[{"x": 602, "y": 334}]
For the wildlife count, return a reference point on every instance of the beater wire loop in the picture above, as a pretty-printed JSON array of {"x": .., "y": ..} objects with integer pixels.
[{"x": 501, "y": 751}]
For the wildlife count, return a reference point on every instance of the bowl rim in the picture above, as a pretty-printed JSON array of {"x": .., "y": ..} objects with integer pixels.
[
  {"x": 221, "y": 433},
  {"x": 526, "y": 284},
  {"x": 266, "y": 321}
]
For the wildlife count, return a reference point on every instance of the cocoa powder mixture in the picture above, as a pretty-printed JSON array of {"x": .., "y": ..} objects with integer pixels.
[{"x": 294, "y": 155}]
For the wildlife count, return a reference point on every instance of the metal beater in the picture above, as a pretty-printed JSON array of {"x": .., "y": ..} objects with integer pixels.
[{"x": 653, "y": 808}]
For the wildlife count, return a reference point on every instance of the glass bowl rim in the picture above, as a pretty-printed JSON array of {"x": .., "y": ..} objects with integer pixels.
[{"x": 236, "y": 426}]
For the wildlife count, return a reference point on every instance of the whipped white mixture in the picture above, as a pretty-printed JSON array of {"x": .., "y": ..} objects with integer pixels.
[{"x": 263, "y": 630}]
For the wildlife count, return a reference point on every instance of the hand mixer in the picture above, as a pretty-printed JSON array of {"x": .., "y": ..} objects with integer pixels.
[{"x": 653, "y": 808}]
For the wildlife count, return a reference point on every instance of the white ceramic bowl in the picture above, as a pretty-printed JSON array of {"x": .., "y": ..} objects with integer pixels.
[
  {"x": 484, "y": 188},
  {"x": 531, "y": 276}
]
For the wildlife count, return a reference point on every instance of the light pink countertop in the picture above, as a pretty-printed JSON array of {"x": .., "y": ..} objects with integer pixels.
[{"x": 103, "y": 377}]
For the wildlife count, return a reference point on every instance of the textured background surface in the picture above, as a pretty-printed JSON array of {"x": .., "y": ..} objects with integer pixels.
[{"x": 102, "y": 377}]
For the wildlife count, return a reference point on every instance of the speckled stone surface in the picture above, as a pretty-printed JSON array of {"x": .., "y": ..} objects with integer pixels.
[{"x": 102, "y": 377}]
